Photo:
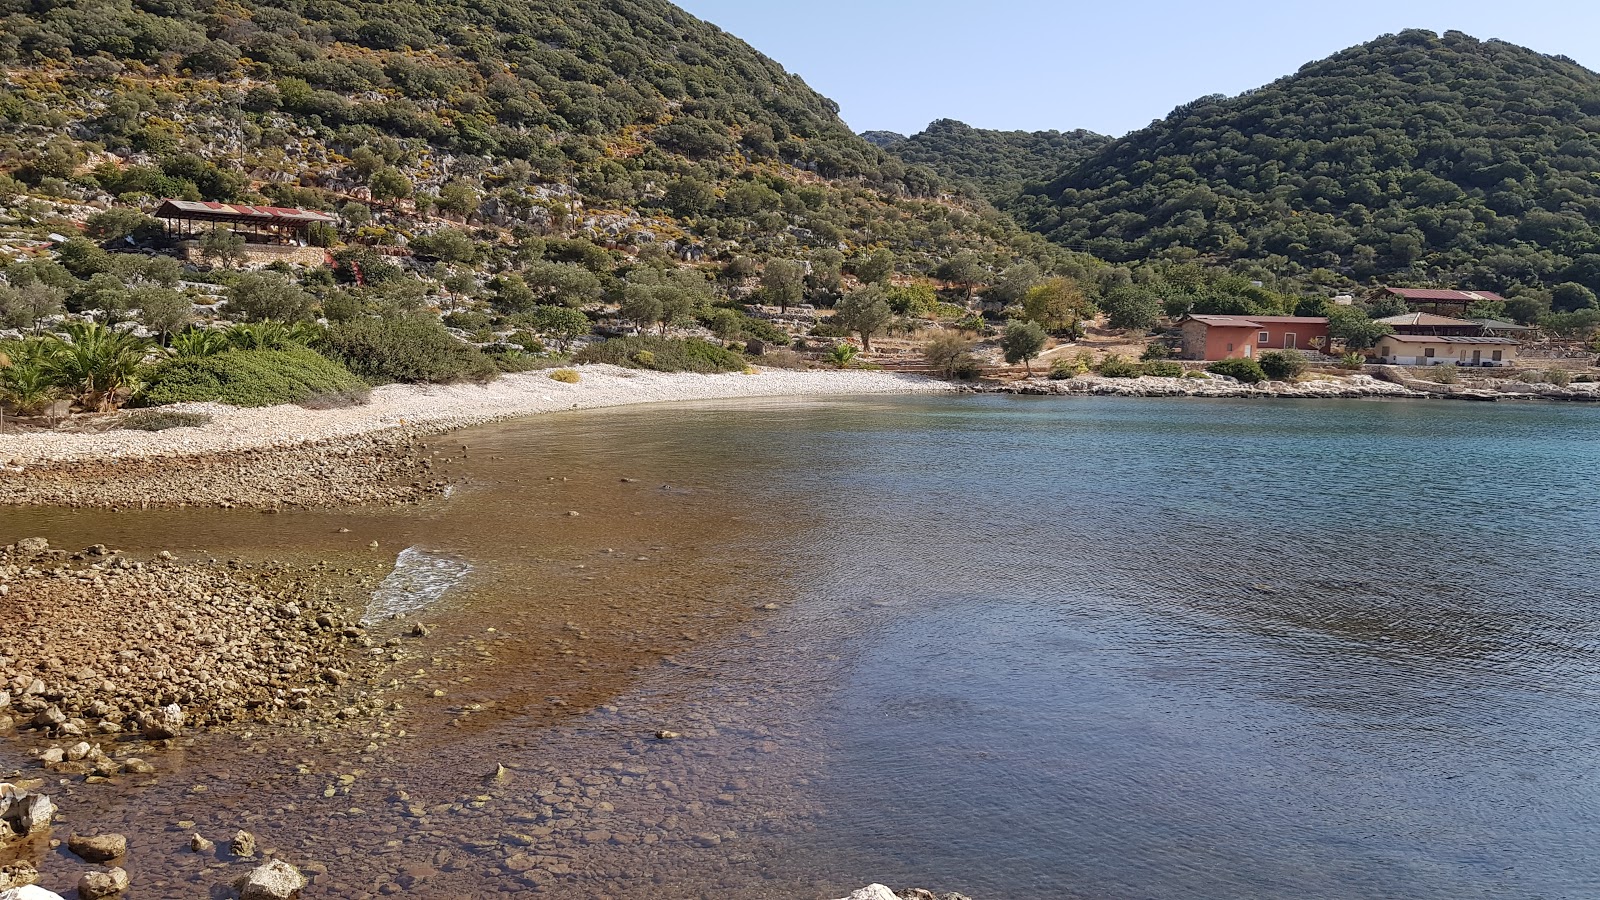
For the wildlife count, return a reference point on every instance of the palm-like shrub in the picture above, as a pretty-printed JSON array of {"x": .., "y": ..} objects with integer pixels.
[
  {"x": 272, "y": 336},
  {"x": 198, "y": 343},
  {"x": 95, "y": 363},
  {"x": 26, "y": 388}
]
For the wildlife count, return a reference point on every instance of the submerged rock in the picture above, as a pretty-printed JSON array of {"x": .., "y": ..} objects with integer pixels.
[
  {"x": 97, "y": 848},
  {"x": 30, "y": 892},
  {"x": 163, "y": 724},
  {"x": 97, "y": 885},
  {"x": 243, "y": 844}
]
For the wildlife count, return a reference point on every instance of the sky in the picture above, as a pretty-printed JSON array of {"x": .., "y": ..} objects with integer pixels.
[{"x": 1110, "y": 67}]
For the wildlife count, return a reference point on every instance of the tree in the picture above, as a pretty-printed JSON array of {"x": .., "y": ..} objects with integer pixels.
[
  {"x": 104, "y": 293},
  {"x": 223, "y": 246},
  {"x": 965, "y": 269},
  {"x": 119, "y": 222},
  {"x": 27, "y": 304},
  {"x": 1282, "y": 365},
  {"x": 783, "y": 283},
  {"x": 1131, "y": 308},
  {"x": 876, "y": 268},
  {"x": 1014, "y": 283},
  {"x": 1022, "y": 341},
  {"x": 356, "y": 215},
  {"x": 662, "y": 297},
  {"x": 452, "y": 245},
  {"x": 1351, "y": 327},
  {"x": 559, "y": 323},
  {"x": 1056, "y": 305},
  {"x": 458, "y": 197},
  {"x": 1526, "y": 308},
  {"x": 96, "y": 362},
  {"x": 1385, "y": 305},
  {"x": 864, "y": 311},
  {"x": 1571, "y": 296},
  {"x": 388, "y": 183},
  {"x": 162, "y": 310},
  {"x": 268, "y": 296},
  {"x": 950, "y": 355}
]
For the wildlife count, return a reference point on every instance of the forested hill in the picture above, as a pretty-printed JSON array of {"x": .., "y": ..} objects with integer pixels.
[
  {"x": 645, "y": 121},
  {"x": 996, "y": 165},
  {"x": 1414, "y": 156}
]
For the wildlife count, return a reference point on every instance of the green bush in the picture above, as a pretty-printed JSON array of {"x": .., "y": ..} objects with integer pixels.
[
  {"x": 1282, "y": 365},
  {"x": 247, "y": 378},
  {"x": 163, "y": 420},
  {"x": 663, "y": 355},
  {"x": 1115, "y": 366},
  {"x": 1162, "y": 369},
  {"x": 566, "y": 376},
  {"x": 1245, "y": 370},
  {"x": 1062, "y": 368},
  {"x": 406, "y": 350}
]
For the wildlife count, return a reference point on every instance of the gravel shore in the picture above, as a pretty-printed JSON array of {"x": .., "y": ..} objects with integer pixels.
[{"x": 289, "y": 456}]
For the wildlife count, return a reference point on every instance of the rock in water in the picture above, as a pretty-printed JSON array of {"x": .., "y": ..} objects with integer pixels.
[
  {"x": 243, "y": 844},
  {"x": 30, "y": 892},
  {"x": 163, "y": 724},
  {"x": 873, "y": 892},
  {"x": 26, "y": 813},
  {"x": 97, "y": 848},
  {"x": 277, "y": 880},
  {"x": 96, "y": 885},
  {"x": 18, "y": 874},
  {"x": 200, "y": 845}
]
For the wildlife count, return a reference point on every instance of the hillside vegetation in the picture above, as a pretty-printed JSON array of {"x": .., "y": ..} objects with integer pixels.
[
  {"x": 1413, "y": 158},
  {"x": 995, "y": 165}
]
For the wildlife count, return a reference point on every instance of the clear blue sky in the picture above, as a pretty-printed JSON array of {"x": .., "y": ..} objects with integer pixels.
[{"x": 1107, "y": 66}]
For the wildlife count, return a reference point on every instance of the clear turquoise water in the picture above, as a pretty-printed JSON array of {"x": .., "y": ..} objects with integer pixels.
[{"x": 1179, "y": 649}]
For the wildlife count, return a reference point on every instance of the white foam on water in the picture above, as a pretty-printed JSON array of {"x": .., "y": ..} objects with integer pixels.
[{"x": 419, "y": 580}]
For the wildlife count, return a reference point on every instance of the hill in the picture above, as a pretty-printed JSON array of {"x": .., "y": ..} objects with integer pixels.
[
  {"x": 625, "y": 121},
  {"x": 995, "y": 165},
  {"x": 1414, "y": 157}
]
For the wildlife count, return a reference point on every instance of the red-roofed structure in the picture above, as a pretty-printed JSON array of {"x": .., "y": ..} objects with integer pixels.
[
  {"x": 1244, "y": 337},
  {"x": 1441, "y": 300},
  {"x": 263, "y": 224}
]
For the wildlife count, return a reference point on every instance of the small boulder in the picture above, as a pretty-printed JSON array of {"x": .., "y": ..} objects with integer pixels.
[
  {"x": 78, "y": 751},
  {"x": 243, "y": 844},
  {"x": 97, "y": 848},
  {"x": 277, "y": 880},
  {"x": 97, "y": 885},
  {"x": 163, "y": 724},
  {"x": 31, "y": 813},
  {"x": 50, "y": 718},
  {"x": 199, "y": 844}
]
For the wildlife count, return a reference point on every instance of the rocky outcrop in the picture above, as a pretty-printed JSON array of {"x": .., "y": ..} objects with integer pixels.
[
  {"x": 99, "y": 885},
  {"x": 1490, "y": 389},
  {"x": 277, "y": 880},
  {"x": 880, "y": 892},
  {"x": 1213, "y": 386}
]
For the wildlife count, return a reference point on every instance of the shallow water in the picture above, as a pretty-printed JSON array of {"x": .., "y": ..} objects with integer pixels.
[{"x": 1023, "y": 648}]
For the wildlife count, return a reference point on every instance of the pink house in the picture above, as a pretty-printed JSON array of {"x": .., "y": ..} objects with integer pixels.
[{"x": 1245, "y": 337}]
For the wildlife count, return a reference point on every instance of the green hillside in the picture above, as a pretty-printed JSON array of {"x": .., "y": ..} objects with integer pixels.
[
  {"x": 625, "y": 121},
  {"x": 1414, "y": 157},
  {"x": 996, "y": 165}
]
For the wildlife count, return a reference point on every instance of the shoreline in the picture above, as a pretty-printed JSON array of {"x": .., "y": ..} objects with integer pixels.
[
  {"x": 292, "y": 457},
  {"x": 1397, "y": 385}
]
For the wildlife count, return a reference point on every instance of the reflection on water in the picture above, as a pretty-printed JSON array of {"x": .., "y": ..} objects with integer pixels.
[{"x": 1021, "y": 648}]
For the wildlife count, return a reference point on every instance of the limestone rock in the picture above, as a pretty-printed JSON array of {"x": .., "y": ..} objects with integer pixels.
[
  {"x": 277, "y": 880},
  {"x": 18, "y": 874},
  {"x": 243, "y": 844},
  {"x": 97, "y": 885},
  {"x": 199, "y": 844},
  {"x": 163, "y": 724},
  {"x": 872, "y": 892},
  {"x": 30, "y": 892},
  {"x": 97, "y": 848}
]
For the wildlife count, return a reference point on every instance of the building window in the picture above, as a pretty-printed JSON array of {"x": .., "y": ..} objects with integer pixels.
[
  {"x": 1230, "y": 348},
  {"x": 1428, "y": 353},
  {"x": 1266, "y": 338},
  {"x": 1499, "y": 355}
]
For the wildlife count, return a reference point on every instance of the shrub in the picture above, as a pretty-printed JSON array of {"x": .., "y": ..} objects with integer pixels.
[
  {"x": 1352, "y": 361},
  {"x": 1445, "y": 374},
  {"x": 164, "y": 420},
  {"x": 407, "y": 350},
  {"x": 950, "y": 355},
  {"x": 247, "y": 378},
  {"x": 842, "y": 354},
  {"x": 1062, "y": 368},
  {"x": 1531, "y": 376},
  {"x": 1245, "y": 370},
  {"x": 566, "y": 376},
  {"x": 1162, "y": 369},
  {"x": 1282, "y": 365},
  {"x": 1155, "y": 351},
  {"x": 508, "y": 359},
  {"x": 663, "y": 355},
  {"x": 1558, "y": 377},
  {"x": 1115, "y": 366}
]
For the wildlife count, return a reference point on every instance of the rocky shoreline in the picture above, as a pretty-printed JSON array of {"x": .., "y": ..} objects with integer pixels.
[
  {"x": 1398, "y": 386},
  {"x": 288, "y": 456}
]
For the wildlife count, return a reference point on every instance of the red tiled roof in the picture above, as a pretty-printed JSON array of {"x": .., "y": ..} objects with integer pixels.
[
  {"x": 1224, "y": 321},
  {"x": 1256, "y": 321},
  {"x": 1290, "y": 320}
]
